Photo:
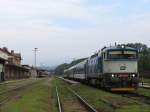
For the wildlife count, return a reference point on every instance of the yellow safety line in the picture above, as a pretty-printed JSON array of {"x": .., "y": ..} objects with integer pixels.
[{"x": 122, "y": 89}]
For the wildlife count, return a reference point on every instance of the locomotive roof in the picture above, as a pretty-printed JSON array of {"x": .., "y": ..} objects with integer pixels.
[{"x": 118, "y": 48}]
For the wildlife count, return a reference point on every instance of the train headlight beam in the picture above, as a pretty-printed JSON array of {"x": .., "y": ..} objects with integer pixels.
[
  {"x": 113, "y": 75},
  {"x": 133, "y": 75}
]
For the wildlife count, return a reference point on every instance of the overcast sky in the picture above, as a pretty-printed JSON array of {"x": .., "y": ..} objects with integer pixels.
[{"x": 64, "y": 30}]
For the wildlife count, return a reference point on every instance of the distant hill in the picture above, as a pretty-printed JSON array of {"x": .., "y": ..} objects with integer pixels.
[{"x": 48, "y": 68}]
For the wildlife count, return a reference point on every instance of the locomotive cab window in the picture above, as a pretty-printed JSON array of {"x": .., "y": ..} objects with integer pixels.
[
  {"x": 105, "y": 55},
  {"x": 122, "y": 54}
]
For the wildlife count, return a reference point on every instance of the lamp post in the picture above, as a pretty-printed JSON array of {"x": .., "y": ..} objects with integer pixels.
[{"x": 35, "y": 58}]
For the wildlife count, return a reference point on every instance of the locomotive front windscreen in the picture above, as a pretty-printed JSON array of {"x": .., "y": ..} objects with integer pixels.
[{"x": 122, "y": 54}]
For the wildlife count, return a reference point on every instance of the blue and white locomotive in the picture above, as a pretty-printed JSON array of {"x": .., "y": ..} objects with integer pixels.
[{"x": 114, "y": 68}]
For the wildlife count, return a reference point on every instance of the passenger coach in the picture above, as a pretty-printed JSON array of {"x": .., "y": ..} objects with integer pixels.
[{"x": 114, "y": 68}]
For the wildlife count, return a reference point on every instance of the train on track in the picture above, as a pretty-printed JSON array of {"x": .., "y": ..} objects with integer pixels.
[{"x": 114, "y": 68}]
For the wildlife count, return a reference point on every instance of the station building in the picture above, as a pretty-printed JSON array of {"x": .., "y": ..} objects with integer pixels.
[{"x": 11, "y": 67}]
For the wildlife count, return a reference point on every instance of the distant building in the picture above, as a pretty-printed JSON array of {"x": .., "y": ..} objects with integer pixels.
[{"x": 32, "y": 72}]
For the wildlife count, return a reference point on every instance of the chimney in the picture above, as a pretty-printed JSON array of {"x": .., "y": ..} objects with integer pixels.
[
  {"x": 5, "y": 48},
  {"x": 12, "y": 51}
]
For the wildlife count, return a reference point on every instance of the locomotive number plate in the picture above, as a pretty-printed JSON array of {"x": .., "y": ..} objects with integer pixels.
[{"x": 123, "y": 68}]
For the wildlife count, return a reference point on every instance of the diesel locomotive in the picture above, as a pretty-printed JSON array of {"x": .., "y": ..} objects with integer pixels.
[{"x": 114, "y": 68}]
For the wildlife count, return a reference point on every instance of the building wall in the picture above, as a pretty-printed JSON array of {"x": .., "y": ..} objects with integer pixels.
[
  {"x": 12, "y": 68},
  {"x": 15, "y": 72},
  {"x": 14, "y": 60},
  {"x": 3, "y": 55},
  {"x": 33, "y": 73}
]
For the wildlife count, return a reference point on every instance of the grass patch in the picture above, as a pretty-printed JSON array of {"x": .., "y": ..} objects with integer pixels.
[
  {"x": 143, "y": 91},
  {"x": 134, "y": 108}
]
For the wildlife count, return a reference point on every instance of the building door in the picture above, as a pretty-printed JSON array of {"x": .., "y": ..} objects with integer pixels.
[{"x": 1, "y": 72}]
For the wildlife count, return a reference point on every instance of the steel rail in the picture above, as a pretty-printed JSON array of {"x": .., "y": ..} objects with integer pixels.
[
  {"x": 91, "y": 108},
  {"x": 83, "y": 101},
  {"x": 58, "y": 100}
]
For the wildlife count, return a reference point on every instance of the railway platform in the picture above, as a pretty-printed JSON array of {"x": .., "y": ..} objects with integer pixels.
[
  {"x": 69, "y": 81},
  {"x": 144, "y": 85}
]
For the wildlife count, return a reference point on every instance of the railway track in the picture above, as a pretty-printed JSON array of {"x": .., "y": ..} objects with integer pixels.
[
  {"x": 82, "y": 101},
  {"x": 14, "y": 81},
  {"x": 16, "y": 87},
  {"x": 136, "y": 97},
  {"x": 6, "y": 86},
  {"x": 6, "y": 92}
]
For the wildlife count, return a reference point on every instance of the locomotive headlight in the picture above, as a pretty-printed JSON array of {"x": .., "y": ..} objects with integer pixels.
[
  {"x": 133, "y": 75},
  {"x": 113, "y": 75}
]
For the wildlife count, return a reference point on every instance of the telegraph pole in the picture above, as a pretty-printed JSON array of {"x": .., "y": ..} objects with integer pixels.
[{"x": 35, "y": 58}]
